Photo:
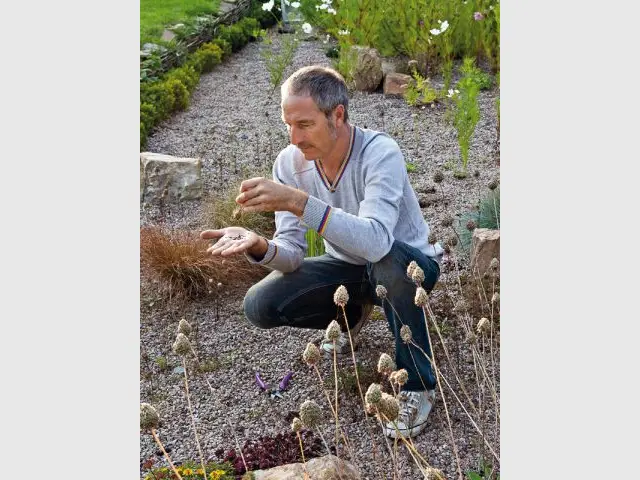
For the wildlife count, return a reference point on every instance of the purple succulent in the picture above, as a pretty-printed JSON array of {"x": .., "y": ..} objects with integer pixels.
[{"x": 477, "y": 16}]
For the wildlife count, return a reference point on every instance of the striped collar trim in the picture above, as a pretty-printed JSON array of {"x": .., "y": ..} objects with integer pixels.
[{"x": 323, "y": 176}]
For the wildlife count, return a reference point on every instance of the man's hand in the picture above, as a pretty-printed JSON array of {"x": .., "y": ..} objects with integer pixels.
[
  {"x": 234, "y": 240},
  {"x": 262, "y": 195}
]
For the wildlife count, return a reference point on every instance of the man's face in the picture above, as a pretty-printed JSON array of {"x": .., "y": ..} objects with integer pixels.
[{"x": 309, "y": 129}]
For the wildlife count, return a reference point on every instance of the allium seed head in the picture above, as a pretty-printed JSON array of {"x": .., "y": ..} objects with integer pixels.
[
  {"x": 296, "y": 425},
  {"x": 495, "y": 298},
  {"x": 494, "y": 264},
  {"x": 452, "y": 240},
  {"x": 447, "y": 221},
  {"x": 374, "y": 394},
  {"x": 310, "y": 414},
  {"x": 389, "y": 407},
  {"x": 311, "y": 354},
  {"x": 421, "y": 297},
  {"x": 149, "y": 417},
  {"x": 386, "y": 365},
  {"x": 493, "y": 184},
  {"x": 402, "y": 376},
  {"x": 405, "y": 334},
  {"x": 181, "y": 346},
  {"x": 483, "y": 325},
  {"x": 333, "y": 331},
  {"x": 381, "y": 291},
  {"x": 341, "y": 297},
  {"x": 432, "y": 239},
  {"x": 412, "y": 266},
  {"x": 184, "y": 327},
  {"x": 438, "y": 177},
  {"x": 418, "y": 275}
]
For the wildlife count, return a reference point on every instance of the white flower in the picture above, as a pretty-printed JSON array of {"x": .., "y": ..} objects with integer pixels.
[
  {"x": 343, "y": 32},
  {"x": 331, "y": 11},
  {"x": 328, "y": 2},
  {"x": 267, "y": 6},
  {"x": 439, "y": 21},
  {"x": 450, "y": 94},
  {"x": 295, "y": 4},
  {"x": 306, "y": 28},
  {"x": 324, "y": 6},
  {"x": 326, "y": 40},
  {"x": 286, "y": 2},
  {"x": 490, "y": 7},
  {"x": 434, "y": 31},
  {"x": 457, "y": 91},
  {"x": 444, "y": 26}
]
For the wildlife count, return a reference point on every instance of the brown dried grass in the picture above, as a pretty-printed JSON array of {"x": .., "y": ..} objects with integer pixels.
[{"x": 177, "y": 260}]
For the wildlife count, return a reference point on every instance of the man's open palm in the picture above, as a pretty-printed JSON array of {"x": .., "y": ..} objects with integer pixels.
[{"x": 231, "y": 240}]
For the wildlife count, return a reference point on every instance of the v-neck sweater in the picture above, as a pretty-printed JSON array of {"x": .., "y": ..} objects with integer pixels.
[{"x": 372, "y": 205}]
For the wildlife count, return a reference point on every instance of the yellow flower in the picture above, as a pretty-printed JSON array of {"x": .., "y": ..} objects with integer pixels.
[
  {"x": 216, "y": 475},
  {"x": 187, "y": 471},
  {"x": 199, "y": 471}
]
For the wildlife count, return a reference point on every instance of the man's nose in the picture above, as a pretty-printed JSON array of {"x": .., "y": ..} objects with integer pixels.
[{"x": 296, "y": 135}]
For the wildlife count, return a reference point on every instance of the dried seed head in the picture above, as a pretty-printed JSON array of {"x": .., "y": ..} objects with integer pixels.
[
  {"x": 149, "y": 417},
  {"x": 495, "y": 298},
  {"x": 389, "y": 407},
  {"x": 471, "y": 225},
  {"x": 386, "y": 365},
  {"x": 184, "y": 327},
  {"x": 402, "y": 376},
  {"x": 311, "y": 354},
  {"x": 438, "y": 176},
  {"x": 483, "y": 326},
  {"x": 405, "y": 334},
  {"x": 417, "y": 275},
  {"x": 451, "y": 241},
  {"x": 333, "y": 331},
  {"x": 447, "y": 248},
  {"x": 411, "y": 267},
  {"x": 493, "y": 184},
  {"x": 447, "y": 221},
  {"x": 374, "y": 394},
  {"x": 432, "y": 239},
  {"x": 341, "y": 297},
  {"x": 310, "y": 414},
  {"x": 431, "y": 473},
  {"x": 296, "y": 425},
  {"x": 381, "y": 291},
  {"x": 181, "y": 346},
  {"x": 421, "y": 297}
]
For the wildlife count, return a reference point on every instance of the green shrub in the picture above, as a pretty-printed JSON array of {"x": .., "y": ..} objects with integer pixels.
[
  {"x": 472, "y": 74},
  {"x": 187, "y": 75},
  {"x": 156, "y": 94},
  {"x": 233, "y": 34},
  {"x": 180, "y": 94},
  {"x": 249, "y": 26},
  {"x": 266, "y": 19},
  {"x": 223, "y": 45},
  {"x": 206, "y": 57}
]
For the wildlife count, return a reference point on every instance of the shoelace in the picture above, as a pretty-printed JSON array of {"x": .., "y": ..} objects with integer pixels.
[{"x": 409, "y": 402}]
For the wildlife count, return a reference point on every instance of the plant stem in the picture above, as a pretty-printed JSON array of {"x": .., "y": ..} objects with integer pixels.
[
  {"x": 193, "y": 418},
  {"x": 166, "y": 455}
]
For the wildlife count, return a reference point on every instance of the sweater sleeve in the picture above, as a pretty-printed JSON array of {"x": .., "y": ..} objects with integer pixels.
[
  {"x": 288, "y": 247},
  {"x": 369, "y": 234}
]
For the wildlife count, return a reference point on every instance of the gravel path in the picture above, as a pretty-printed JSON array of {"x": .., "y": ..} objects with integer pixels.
[{"x": 233, "y": 118}]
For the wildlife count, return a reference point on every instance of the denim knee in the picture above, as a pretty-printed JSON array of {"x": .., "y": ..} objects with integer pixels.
[{"x": 258, "y": 309}]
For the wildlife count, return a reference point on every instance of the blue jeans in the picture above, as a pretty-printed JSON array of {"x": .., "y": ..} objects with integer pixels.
[{"x": 304, "y": 299}]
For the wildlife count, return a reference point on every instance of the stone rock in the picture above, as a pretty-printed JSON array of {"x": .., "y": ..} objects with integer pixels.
[
  {"x": 175, "y": 178},
  {"x": 396, "y": 83},
  {"x": 367, "y": 70},
  {"x": 153, "y": 48},
  {"x": 397, "y": 64},
  {"x": 323, "y": 468},
  {"x": 427, "y": 200},
  {"x": 168, "y": 35},
  {"x": 226, "y": 7},
  {"x": 485, "y": 245}
]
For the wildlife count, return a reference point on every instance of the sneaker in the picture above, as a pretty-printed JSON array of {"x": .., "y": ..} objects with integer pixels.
[
  {"x": 342, "y": 344},
  {"x": 414, "y": 410}
]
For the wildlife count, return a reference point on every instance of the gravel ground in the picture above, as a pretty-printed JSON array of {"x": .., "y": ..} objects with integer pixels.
[{"x": 233, "y": 124}]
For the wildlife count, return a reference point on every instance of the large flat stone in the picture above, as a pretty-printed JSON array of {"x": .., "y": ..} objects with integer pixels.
[{"x": 168, "y": 178}]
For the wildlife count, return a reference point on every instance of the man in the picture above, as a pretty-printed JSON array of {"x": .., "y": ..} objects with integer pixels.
[{"x": 351, "y": 186}]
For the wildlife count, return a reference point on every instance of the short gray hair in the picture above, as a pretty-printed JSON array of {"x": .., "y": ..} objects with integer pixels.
[{"x": 324, "y": 85}]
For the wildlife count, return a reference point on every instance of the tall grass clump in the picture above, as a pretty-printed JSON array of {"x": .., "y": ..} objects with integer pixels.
[{"x": 487, "y": 215}]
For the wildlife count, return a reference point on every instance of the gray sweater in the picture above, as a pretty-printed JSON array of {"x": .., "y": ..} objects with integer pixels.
[{"x": 369, "y": 205}]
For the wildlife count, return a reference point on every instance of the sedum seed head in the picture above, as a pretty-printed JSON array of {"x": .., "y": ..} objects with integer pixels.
[
  {"x": 405, "y": 334},
  {"x": 333, "y": 331},
  {"x": 438, "y": 176},
  {"x": 483, "y": 325},
  {"x": 421, "y": 297},
  {"x": 432, "y": 239},
  {"x": 310, "y": 414},
  {"x": 374, "y": 394},
  {"x": 149, "y": 417},
  {"x": 447, "y": 221},
  {"x": 411, "y": 268},
  {"x": 389, "y": 407},
  {"x": 181, "y": 346},
  {"x": 386, "y": 365},
  {"x": 311, "y": 354},
  {"x": 381, "y": 291},
  {"x": 451, "y": 241},
  {"x": 402, "y": 376},
  {"x": 471, "y": 225},
  {"x": 296, "y": 425},
  {"x": 417, "y": 275},
  {"x": 184, "y": 327},
  {"x": 341, "y": 297}
]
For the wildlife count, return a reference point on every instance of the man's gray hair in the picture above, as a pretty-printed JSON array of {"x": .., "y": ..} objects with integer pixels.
[{"x": 324, "y": 85}]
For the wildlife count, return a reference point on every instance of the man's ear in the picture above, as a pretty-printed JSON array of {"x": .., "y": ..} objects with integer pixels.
[{"x": 338, "y": 116}]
